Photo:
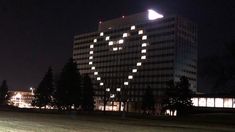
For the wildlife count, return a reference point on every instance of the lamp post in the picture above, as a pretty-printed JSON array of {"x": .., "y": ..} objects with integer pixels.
[
  {"x": 118, "y": 90},
  {"x": 106, "y": 98},
  {"x": 32, "y": 90},
  {"x": 112, "y": 96},
  {"x": 124, "y": 98}
]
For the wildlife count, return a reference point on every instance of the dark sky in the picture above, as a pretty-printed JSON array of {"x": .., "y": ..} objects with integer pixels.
[{"x": 35, "y": 34}]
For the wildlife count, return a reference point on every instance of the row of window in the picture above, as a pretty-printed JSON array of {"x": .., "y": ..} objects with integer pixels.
[
  {"x": 190, "y": 72},
  {"x": 129, "y": 45},
  {"x": 83, "y": 36},
  {"x": 159, "y": 22},
  {"x": 189, "y": 78},
  {"x": 129, "y": 53},
  {"x": 131, "y": 38},
  {"x": 121, "y": 72},
  {"x": 161, "y": 28},
  {"x": 149, "y": 63}
]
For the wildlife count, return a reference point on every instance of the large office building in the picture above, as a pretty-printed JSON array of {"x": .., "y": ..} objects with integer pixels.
[{"x": 134, "y": 52}]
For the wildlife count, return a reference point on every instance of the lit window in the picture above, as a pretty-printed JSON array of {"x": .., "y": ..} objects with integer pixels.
[
  {"x": 140, "y": 32},
  {"x": 144, "y": 45},
  {"x": 101, "y": 34},
  {"x": 143, "y": 57},
  {"x": 98, "y": 78},
  {"x": 219, "y": 102},
  {"x": 124, "y": 35},
  {"x": 110, "y": 42},
  {"x": 195, "y": 101},
  {"x": 210, "y": 102},
  {"x": 91, "y": 46},
  {"x": 228, "y": 103},
  {"x": 115, "y": 49},
  {"x": 143, "y": 51},
  {"x": 91, "y": 52},
  {"x": 144, "y": 37},
  {"x": 92, "y": 68},
  {"x": 107, "y": 38},
  {"x": 95, "y": 40},
  {"x": 233, "y": 102},
  {"x": 202, "y": 102},
  {"x": 101, "y": 84},
  {"x": 134, "y": 70},
  {"x": 107, "y": 89},
  {"x": 112, "y": 96},
  {"x": 126, "y": 83},
  {"x": 90, "y": 57},
  {"x": 120, "y": 41},
  {"x": 90, "y": 63},
  {"x": 174, "y": 112},
  {"x": 138, "y": 64},
  {"x": 168, "y": 112},
  {"x": 120, "y": 48},
  {"x": 133, "y": 27},
  {"x": 118, "y": 89},
  {"x": 95, "y": 73},
  {"x": 130, "y": 77}
]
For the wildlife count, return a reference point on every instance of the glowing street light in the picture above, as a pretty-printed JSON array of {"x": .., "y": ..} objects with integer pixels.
[{"x": 32, "y": 90}]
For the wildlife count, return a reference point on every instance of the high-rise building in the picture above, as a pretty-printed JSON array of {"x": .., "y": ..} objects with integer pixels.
[{"x": 134, "y": 52}]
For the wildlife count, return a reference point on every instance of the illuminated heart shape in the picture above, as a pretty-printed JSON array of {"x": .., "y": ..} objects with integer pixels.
[{"x": 117, "y": 46}]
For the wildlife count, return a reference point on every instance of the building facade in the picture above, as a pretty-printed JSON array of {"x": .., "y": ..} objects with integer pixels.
[
  {"x": 138, "y": 51},
  {"x": 21, "y": 99},
  {"x": 213, "y": 101}
]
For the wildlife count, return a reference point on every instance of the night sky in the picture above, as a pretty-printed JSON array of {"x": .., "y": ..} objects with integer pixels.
[{"x": 36, "y": 34}]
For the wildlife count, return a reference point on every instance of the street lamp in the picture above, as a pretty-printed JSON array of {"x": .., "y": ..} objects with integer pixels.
[
  {"x": 32, "y": 90},
  {"x": 106, "y": 98},
  {"x": 118, "y": 90}
]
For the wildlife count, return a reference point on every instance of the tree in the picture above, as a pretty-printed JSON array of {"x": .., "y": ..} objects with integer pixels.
[
  {"x": 3, "y": 92},
  {"x": 231, "y": 47},
  {"x": 178, "y": 97},
  {"x": 124, "y": 98},
  {"x": 148, "y": 101},
  {"x": 217, "y": 72},
  {"x": 68, "y": 90},
  {"x": 170, "y": 97},
  {"x": 88, "y": 94},
  {"x": 106, "y": 97},
  {"x": 44, "y": 91},
  {"x": 184, "y": 104}
]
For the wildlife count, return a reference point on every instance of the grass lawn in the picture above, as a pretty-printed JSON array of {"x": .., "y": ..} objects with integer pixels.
[{"x": 35, "y": 122}]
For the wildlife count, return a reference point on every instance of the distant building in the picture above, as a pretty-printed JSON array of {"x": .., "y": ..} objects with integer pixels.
[
  {"x": 21, "y": 99},
  {"x": 133, "y": 52},
  {"x": 213, "y": 101}
]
